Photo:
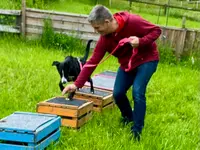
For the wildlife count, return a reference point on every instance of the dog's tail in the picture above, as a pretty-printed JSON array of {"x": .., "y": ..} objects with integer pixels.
[{"x": 87, "y": 50}]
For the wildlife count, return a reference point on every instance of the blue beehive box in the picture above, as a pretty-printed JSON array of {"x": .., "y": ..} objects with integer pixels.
[
  {"x": 108, "y": 73},
  {"x": 29, "y": 131},
  {"x": 102, "y": 82}
]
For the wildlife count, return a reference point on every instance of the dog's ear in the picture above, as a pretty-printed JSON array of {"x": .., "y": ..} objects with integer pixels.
[{"x": 55, "y": 63}]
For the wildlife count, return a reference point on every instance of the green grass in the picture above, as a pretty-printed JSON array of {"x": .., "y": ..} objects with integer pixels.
[{"x": 172, "y": 119}]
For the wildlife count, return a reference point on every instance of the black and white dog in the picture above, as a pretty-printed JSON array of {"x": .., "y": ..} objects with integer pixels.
[{"x": 70, "y": 68}]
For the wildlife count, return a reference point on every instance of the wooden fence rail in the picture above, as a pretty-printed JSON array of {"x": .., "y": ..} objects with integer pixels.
[
  {"x": 183, "y": 41},
  {"x": 9, "y": 26},
  {"x": 164, "y": 5}
]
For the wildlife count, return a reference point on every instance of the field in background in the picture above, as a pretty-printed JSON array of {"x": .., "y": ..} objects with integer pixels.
[{"x": 149, "y": 12}]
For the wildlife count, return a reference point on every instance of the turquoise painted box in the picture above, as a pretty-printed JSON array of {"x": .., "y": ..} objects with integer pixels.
[{"x": 29, "y": 131}]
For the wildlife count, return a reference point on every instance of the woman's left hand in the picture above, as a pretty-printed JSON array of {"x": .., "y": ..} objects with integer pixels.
[{"x": 134, "y": 41}]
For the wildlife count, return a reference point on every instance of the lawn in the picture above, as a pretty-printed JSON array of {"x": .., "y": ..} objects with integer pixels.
[{"x": 172, "y": 119}]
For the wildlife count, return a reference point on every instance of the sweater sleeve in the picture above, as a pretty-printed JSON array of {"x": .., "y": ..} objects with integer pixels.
[
  {"x": 148, "y": 32},
  {"x": 92, "y": 63}
]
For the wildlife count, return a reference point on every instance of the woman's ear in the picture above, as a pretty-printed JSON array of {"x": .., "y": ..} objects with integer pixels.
[{"x": 107, "y": 21}]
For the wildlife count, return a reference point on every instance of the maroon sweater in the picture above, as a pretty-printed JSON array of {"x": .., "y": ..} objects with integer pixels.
[{"x": 134, "y": 25}]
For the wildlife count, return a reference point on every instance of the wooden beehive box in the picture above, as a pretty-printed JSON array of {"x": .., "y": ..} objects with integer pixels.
[
  {"x": 101, "y": 99},
  {"x": 74, "y": 113},
  {"x": 28, "y": 131}
]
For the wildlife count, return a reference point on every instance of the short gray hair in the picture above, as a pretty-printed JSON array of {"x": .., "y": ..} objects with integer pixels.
[{"x": 99, "y": 13}]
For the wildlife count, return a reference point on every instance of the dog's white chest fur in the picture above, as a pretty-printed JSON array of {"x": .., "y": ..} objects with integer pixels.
[{"x": 63, "y": 79}]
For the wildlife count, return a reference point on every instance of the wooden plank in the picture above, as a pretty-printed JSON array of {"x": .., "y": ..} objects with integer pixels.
[
  {"x": 10, "y": 12},
  {"x": 49, "y": 127},
  {"x": 54, "y": 17},
  {"x": 81, "y": 36},
  {"x": 111, "y": 105},
  {"x": 11, "y": 29},
  {"x": 5, "y": 145},
  {"x": 70, "y": 122},
  {"x": 100, "y": 109},
  {"x": 73, "y": 33},
  {"x": 196, "y": 45},
  {"x": 180, "y": 42},
  {"x": 189, "y": 42},
  {"x": 107, "y": 100},
  {"x": 97, "y": 109},
  {"x": 18, "y": 137},
  {"x": 56, "y": 13},
  {"x": 75, "y": 122},
  {"x": 85, "y": 119},
  {"x": 57, "y": 111},
  {"x": 61, "y": 25},
  {"x": 85, "y": 108},
  {"x": 96, "y": 100}
]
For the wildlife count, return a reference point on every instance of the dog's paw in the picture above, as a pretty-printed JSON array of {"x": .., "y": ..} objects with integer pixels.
[{"x": 92, "y": 91}]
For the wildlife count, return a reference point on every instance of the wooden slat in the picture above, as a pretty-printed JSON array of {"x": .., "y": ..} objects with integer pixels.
[
  {"x": 85, "y": 119},
  {"x": 85, "y": 108},
  {"x": 107, "y": 100},
  {"x": 100, "y": 109},
  {"x": 57, "y": 111},
  {"x": 56, "y": 13},
  {"x": 70, "y": 122},
  {"x": 61, "y": 25},
  {"x": 54, "y": 17},
  {"x": 7, "y": 28},
  {"x": 96, "y": 100},
  {"x": 196, "y": 45},
  {"x": 111, "y": 105},
  {"x": 189, "y": 43},
  {"x": 75, "y": 122},
  {"x": 83, "y": 36},
  {"x": 78, "y": 34},
  {"x": 180, "y": 43},
  {"x": 10, "y": 12}
]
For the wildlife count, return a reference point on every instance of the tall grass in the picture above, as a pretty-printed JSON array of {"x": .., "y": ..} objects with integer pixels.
[
  {"x": 172, "y": 120},
  {"x": 51, "y": 39}
]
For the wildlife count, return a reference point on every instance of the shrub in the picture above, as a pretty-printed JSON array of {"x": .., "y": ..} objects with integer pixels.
[
  {"x": 60, "y": 41},
  {"x": 166, "y": 54}
]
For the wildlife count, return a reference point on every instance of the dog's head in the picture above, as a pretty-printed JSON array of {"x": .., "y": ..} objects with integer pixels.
[{"x": 68, "y": 69}]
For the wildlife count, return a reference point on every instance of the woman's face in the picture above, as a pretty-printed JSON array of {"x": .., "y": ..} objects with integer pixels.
[{"x": 102, "y": 28}]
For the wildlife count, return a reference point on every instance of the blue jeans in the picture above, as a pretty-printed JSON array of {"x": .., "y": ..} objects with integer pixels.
[{"x": 138, "y": 78}]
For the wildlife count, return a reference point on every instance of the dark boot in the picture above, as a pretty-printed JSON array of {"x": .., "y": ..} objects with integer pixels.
[
  {"x": 136, "y": 134},
  {"x": 125, "y": 121}
]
